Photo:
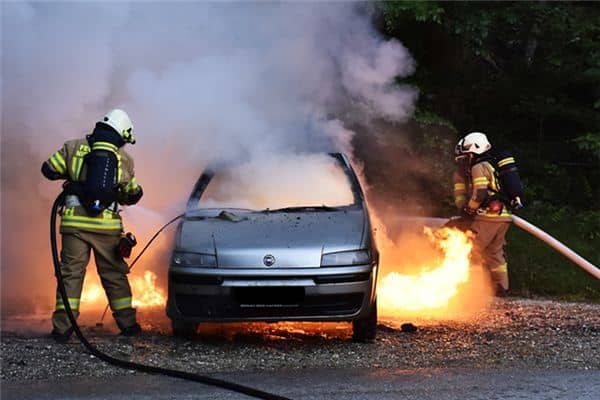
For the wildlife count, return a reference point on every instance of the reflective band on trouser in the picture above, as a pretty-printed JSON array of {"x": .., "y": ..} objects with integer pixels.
[
  {"x": 73, "y": 302},
  {"x": 502, "y": 268},
  {"x": 120, "y": 303},
  {"x": 59, "y": 163},
  {"x": 459, "y": 186},
  {"x": 504, "y": 161}
]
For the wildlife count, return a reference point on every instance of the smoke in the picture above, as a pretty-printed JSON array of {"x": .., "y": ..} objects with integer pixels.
[{"x": 203, "y": 83}]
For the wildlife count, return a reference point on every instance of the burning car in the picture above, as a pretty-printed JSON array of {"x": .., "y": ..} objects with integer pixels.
[{"x": 239, "y": 257}]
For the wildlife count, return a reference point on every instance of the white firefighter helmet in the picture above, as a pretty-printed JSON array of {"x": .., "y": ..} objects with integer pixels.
[
  {"x": 474, "y": 142},
  {"x": 120, "y": 122}
]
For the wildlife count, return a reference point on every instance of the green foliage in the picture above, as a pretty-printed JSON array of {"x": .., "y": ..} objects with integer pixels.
[
  {"x": 422, "y": 11},
  {"x": 589, "y": 143},
  {"x": 428, "y": 118}
]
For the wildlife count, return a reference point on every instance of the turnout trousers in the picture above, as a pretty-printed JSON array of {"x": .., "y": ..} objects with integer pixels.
[
  {"x": 75, "y": 255},
  {"x": 489, "y": 247}
]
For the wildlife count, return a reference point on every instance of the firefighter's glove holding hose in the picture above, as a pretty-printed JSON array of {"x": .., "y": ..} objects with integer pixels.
[
  {"x": 495, "y": 206},
  {"x": 468, "y": 212}
]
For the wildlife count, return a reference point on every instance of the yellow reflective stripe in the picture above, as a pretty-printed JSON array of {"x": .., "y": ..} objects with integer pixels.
[
  {"x": 119, "y": 169},
  {"x": 460, "y": 186},
  {"x": 481, "y": 179},
  {"x": 82, "y": 150},
  {"x": 107, "y": 218},
  {"x": 131, "y": 185},
  {"x": 77, "y": 164},
  {"x": 505, "y": 161},
  {"x": 73, "y": 303},
  {"x": 104, "y": 146},
  {"x": 90, "y": 226},
  {"x": 58, "y": 162},
  {"x": 121, "y": 303},
  {"x": 108, "y": 224},
  {"x": 70, "y": 220},
  {"x": 495, "y": 215},
  {"x": 500, "y": 268}
]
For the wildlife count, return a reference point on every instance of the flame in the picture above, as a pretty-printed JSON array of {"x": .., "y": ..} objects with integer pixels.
[
  {"x": 92, "y": 293},
  {"x": 145, "y": 292},
  {"x": 439, "y": 282}
]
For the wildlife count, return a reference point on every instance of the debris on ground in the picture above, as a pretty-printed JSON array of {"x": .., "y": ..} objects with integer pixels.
[{"x": 514, "y": 333}]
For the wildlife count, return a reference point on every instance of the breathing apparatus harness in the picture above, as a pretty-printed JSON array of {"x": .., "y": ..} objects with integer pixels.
[
  {"x": 510, "y": 187},
  {"x": 207, "y": 380}
]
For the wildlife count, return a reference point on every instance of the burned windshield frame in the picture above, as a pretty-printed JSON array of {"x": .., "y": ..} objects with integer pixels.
[{"x": 209, "y": 173}]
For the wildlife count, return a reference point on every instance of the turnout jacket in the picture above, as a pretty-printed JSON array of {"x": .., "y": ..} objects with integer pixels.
[
  {"x": 67, "y": 163},
  {"x": 475, "y": 187}
]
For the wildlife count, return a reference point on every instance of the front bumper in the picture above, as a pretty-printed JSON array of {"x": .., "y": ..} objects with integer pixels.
[{"x": 303, "y": 294}]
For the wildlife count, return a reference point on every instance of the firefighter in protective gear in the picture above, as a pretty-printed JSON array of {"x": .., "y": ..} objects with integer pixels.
[
  {"x": 83, "y": 231},
  {"x": 476, "y": 189}
]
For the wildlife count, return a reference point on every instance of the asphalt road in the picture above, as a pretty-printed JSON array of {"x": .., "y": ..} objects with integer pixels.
[{"x": 344, "y": 384}]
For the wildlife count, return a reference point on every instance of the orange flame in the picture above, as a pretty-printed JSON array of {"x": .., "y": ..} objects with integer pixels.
[
  {"x": 442, "y": 282},
  {"x": 145, "y": 292}
]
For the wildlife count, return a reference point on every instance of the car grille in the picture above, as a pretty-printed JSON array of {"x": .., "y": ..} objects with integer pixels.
[
  {"x": 192, "y": 279},
  {"x": 268, "y": 303}
]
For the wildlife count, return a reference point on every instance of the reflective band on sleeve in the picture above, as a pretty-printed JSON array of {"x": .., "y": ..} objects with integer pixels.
[
  {"x": 121, "y": 303},
  {"x": 500, "y": 268},
  {"x": 73, "y": 302},
  {"x": 479, "y": 183},
  {"x": 460, "y": 186},
  {"x": 58, "y": 162},
  {"x": 504, "y": 161}
]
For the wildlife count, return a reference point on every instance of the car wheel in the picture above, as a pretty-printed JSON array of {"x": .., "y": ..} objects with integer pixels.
[
  {"x": 365, "y": 329},
  {"x": 183, "y": 329}
]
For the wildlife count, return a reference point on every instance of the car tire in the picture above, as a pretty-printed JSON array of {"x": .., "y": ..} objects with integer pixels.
[
  {"x": 365, "y": 329},
  {"x": 183, "y": 329}
]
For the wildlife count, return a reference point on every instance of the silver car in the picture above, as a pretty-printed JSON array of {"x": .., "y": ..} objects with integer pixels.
[{"x": 308, "y": 262}]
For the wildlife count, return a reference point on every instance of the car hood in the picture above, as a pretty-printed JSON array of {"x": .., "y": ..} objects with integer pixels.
[{"x": 294, "y": 239}]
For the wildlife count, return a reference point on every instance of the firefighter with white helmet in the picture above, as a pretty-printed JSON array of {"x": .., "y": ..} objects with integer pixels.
[
  {"x": 100, "y": 177},
  {"x": 476, "y": 187}
]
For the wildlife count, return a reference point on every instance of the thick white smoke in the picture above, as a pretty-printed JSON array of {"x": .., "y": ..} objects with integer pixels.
[{"x": 204, "y": 83}]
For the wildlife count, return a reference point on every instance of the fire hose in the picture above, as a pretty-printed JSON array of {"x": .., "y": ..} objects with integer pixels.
[
  {"x": 461, "y": 223},
  {"x": 557, "y": 245},
  {"x": 207, "y": 380}
]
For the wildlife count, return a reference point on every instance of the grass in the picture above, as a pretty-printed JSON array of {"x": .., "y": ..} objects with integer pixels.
[{"x": 536, "y": 269}]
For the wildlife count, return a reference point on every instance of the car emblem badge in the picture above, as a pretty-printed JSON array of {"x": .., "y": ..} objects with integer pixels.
[{"x": 269, "y": 260}]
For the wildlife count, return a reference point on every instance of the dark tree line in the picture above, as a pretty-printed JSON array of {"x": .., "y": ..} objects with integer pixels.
[{"x": 526, "y": 73}]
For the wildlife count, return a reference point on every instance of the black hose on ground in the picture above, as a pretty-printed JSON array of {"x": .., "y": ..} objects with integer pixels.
[
  {"x": 207, "y": 380},
  {"x": 142, "y": 253}
]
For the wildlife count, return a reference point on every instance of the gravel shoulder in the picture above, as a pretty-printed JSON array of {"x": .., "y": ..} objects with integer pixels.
[{"x": 515, "y": 333}]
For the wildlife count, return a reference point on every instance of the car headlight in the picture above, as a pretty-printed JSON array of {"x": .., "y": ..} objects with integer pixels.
[
  {"x": 186, "y": 259},
  {"x": 343, "y": 258}
]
